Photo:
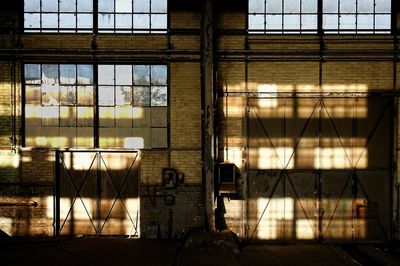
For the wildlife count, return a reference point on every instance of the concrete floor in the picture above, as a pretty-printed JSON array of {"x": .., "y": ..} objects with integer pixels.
[{"x": 123, "y": 251}]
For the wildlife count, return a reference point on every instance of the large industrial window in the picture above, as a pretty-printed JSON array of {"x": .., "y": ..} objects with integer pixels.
[
  {"x": 301, "y": 16},
  {"x": 115, "y": 16},
  {"x": 60, "y": 106}
]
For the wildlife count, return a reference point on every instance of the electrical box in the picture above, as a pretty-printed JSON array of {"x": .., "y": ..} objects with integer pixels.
[{"x": 228, "y": 173}]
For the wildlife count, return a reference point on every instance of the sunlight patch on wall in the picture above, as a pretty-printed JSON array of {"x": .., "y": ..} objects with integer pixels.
[
  {"x": 275, "y": 158},
  {"x": 233, "y": 155}
]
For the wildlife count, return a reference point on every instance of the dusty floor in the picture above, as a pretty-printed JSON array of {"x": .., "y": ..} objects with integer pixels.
[{"x": 124, "y": 251}]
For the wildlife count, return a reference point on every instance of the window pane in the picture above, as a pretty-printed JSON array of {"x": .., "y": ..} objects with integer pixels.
[
  {"x": 347, "y": 22},
  {"x": 309, "y": 22},
  {"x": 106, "y": 95},
  {"x": 32, "y": 6},
  {"x": 67, "y": 116},
  {"x": 158, "y": 96},
  {"x": 292, "y": 6},
  {"x": 366, "y": 6},
  {"x": 256, "y": 6},
  {"x": 141, "y": 21},
  {"x": 141, "y": 75},
  {"x": 382, "y": 6},
  {"x": 50, "y": 21},
  {"x": 330, "y": 22},
  {"x": 274, "y": 6},
  {"x": 68, "y": 21},
  {"x": 106, "y": 21},
  {"x": 141, "y": 96},
  {"x": 85, "y": 95},
  {"x": 309, "y": 6},
  {"x": 49, "y": 5},
  {"x": 291, "y": 22},
  {"x": 68, "y": 74},
  {"x": 123, "y": 95},
  {"x": 141, "y": 6},
  {"x": 85, "y": 21},
  {"x": 158, "y": 21},
  {"x": 67, "y": 95},
  {"x": 32, "y": 74},
  {"x": 31, "y": 20},
  {"x": 330, "y": 6},
  {"x": 85, "y": 74},
  {"x": 85, "y": 6},
  {"x": 382, "y": 22},
  {"x": 106, "y": 5},
  {"x": 32, "y": 94},
  {"x": 49, "y": 74},
  {"x": 159, "y": 75},
  {"x": 50, "y": 115},
  {"x": 123, "y": 21},
  {"x": 123, "y": 74},
  {"x": 274, "y": 22},
  {"x": 365, "y": 22},
  {"x": 348, "y": 6},
  {"x": 50, "y": 95},
  {"x": 67, "y": 6},
  {"x": 106, "y": 74},
  {"x": 123, "y": 6},
  {"x": 256, "y": 22},
  {"x": 159, "y": 6}
]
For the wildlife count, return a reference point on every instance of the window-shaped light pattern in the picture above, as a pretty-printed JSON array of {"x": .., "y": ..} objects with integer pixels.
[
  {"x": 58, "y": 16},
  {"x": 133, "y": 102},
  {"x": 132, "y": 16},
  {"x": 356, "y": 16},
  {"x": 59, "y": 105},
  {"x": 282, "y": 16}
]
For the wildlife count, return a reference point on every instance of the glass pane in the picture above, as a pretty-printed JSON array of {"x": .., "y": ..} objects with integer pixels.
[
  {"x": 50, "y": 21},
  {"x": 123, "y": 95},
  {"x": 141, "y": 75},
  {"x": 50, "y": 115},
  {"x": 85, "y": 95},
  {"x": 85, "y": 21},
  {"x": 85, "y": 74},
  {"x": 159, "y": 6},
  {"x": 366, "y": 6},
  {"x": 348, "y": 6},
  {"x": 141, "y": 6},
  {"x": 330, "y": 22},
  {"x": 49, "y": 74},
  {"x": 309, "y": 22},
  {"x": 382, "y": 22},
  {"x": 256, "y": 6},
  {"x": 347, "y": 22},
  {"x": 106, "y": 74},
  {"x": 159, "y": 138},
  {"x": 330, "y": 6},
  {"x": 274, "y": 22},
  {"x": 291, "y": 22},
  {"x": 382, "y": 6},
  {"x": 365, "y": 22},
  {"x": 85, "y": 6},
  {"x": 274, "y": 6},
  {"x": 159, "y": 75},
  {"x": 49, "y": 5},
  {"x": 106, "y": 21},
  {"x": 159, "y": 96},
  {"x": 68, "y": 21},
  {"x": 67, "y": 95},
  {"x": 50, "y": 95},
  {"x": 85, "y": 116},
  {"x": 292, "y": 6},
  {"x": 123, "y": 21},
  {"x": 68, "y": 74},
  {"x": 123, "y": 74},
  {"x": 106, "y": 95},
  {"x": 67, "y": 116},
  {"x": 107, "y": 117},
  {"x": 141, "y": 21},
  {"x": 141, "y": 96},
  {"x": 32, "y": 6},
  {"x": 256, "y": 22},
  {"x": 32, "y": 74},
  {"x": 32, "y": 94},
  {"x": 123, "y": 6},
  {"x": 105, "y": 5},
  {"x": 159, "y": 21},
  {"x": 31, "y": 20},
  {"x": 67, "y": 6},
  {"x": 309, "y": 6}
]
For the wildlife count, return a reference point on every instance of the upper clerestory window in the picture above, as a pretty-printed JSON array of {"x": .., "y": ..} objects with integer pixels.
[
  {"x": 301, "y": 16},
  {"x": 107, "y": 16}
]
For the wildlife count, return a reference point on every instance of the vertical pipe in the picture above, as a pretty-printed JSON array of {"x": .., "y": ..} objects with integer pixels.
[
  {"x": 96, "y": 106},
  {"x": 98, "y": 190},
  {"x": 56, "y": 196}
]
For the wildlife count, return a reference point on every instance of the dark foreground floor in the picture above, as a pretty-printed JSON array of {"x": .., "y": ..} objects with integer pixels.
[{"x": 124, "y": 251}]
